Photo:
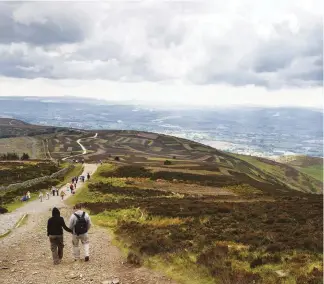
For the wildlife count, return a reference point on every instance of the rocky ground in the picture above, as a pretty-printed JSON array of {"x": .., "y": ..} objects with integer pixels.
[{"x": 26, "y": 258}]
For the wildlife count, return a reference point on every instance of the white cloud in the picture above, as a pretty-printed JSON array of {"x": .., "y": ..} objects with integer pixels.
[{"x": 204, "y": 45}]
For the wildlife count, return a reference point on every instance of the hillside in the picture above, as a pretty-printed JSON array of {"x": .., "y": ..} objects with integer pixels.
[
  {"x": 14, "y": 128},
  {"x": 312, "y": 166},
  {"x": 192, "y": 212},
  {"x": 151, "y": 149}
]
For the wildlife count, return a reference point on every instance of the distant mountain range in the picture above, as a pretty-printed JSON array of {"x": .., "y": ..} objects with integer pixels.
[{"x": 256, "y": 131}]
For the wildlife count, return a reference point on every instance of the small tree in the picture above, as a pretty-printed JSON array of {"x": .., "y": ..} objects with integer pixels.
[
  {"x": 24, "y": 157},
  {"x": 167, "y": 162}
]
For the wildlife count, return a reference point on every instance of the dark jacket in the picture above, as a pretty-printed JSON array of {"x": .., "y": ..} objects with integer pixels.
[{"x": 56, "y": 223}]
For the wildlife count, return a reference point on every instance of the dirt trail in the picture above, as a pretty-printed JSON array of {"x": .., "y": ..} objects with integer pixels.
[
  {"x": 8, "y": 221},
  {"x": 26, "y": 257}
]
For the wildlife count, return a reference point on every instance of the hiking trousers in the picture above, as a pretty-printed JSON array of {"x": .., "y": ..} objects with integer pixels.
[
  {"x": 57, "y": 246},
  {"x": 76, "y": 249}
]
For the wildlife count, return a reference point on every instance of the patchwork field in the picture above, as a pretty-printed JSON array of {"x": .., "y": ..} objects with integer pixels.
[{"x": 199, "y": 233}]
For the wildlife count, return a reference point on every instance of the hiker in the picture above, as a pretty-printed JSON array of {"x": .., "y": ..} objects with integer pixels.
[
  {"x": 53, "y": 190},
  {"x": 47, "y": 195},
  {"x": 72, "y": 180},
  {"x": 72, "y": 187},
  {"x": 40, "y": 196},
  {"x": 57, "y": 191},
  {"x": 24, "y": 198},
  {"x": 67, "y": 187},
  {"x": 55, "y": 234},
  {"x": 88, "y": 176},
  {"x": 62, "y": 194},
  {"x": 80, "y": 223},
  {"x": 28, "y": 195}
]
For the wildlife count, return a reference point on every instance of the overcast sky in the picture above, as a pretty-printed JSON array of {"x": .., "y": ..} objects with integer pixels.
[{"x": 183, "y": 52}]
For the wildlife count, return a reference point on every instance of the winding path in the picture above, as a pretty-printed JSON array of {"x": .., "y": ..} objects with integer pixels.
[{"x": 84, "y": 150}]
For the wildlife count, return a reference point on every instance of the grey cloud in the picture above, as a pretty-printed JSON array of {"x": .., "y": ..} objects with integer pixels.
[
  {"x": 126, "y": 42},
  {"x": 56, "y": 29}
]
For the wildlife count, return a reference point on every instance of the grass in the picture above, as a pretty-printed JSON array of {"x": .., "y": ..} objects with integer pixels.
[
  {"x": 5, "y": 234},
  {"x": 315, "y": 171},
  {"x": 20, "y": 171},
  {"x": 22, "y": 221},
  {"x": 197, "y": 240},
  {"x": 76, "y": 171},
  {"x": 12, "y": 206},
  {"x": 17, "y": 203}
]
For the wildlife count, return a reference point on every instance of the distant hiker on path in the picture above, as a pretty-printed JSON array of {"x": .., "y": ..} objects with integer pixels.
[
  {"x": 88, "y": 176},
  {"x": 72, "y": 188},
  {"x": 40, "y": 196},
  {"x": 62, "y": 194},
  {"x": 47, "y": 195},
  {"x": 80, "y": 223},
  {"x": 53, "y": 190},
  {"x": 28, "y": 195},
  {"x": 57, "y": 191},
  {"x": 55, "y": 234}
]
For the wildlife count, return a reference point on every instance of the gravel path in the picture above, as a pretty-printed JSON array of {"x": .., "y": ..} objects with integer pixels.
[
  {"x": 8, "y": 221},
  {"x": 26, "y": 257}
]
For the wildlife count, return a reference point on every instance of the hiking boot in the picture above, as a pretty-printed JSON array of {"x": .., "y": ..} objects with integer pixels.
[{"x": 86, "y": 258}]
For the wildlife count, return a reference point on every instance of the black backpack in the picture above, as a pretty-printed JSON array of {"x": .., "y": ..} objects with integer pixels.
[{"x": 81, "y": 225}]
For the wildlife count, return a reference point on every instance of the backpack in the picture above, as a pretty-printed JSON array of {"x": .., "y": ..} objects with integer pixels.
[{"x": 81, "y": 225}]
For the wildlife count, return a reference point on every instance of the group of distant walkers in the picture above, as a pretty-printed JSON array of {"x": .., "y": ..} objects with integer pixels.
[
  {"x": 79, "y": 225},
  {"x": 55, "y": 191}
]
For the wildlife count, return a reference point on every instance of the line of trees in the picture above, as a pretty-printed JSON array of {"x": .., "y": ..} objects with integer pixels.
[{"x": 14, "y": 156}]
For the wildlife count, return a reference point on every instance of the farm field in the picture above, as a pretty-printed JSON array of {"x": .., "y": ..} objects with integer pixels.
[{"x": 208, "y": 234}]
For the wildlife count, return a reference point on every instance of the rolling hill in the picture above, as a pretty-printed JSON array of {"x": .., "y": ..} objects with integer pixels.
[{"x": 139, "y": 148}]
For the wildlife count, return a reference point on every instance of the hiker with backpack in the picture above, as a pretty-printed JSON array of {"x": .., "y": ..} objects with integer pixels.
[
  {"x": 55, "y": 226},
  {"x": 80, "y": 223}
]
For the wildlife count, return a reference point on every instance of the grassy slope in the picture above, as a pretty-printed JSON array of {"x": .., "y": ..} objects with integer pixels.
[
  {"x": 315, "y": 171},
  {"x": 294, "y": 177},
  {"x": 166, "y": 238},
  {"x": 312, "y": 166}
]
